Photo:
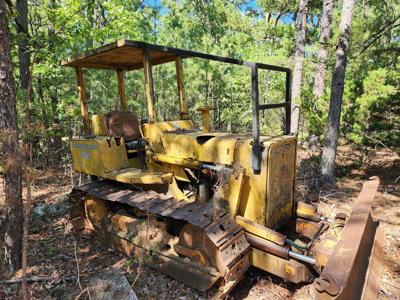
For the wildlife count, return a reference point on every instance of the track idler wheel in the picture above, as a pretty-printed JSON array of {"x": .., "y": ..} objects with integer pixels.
[{"x": 95, "y": 211}]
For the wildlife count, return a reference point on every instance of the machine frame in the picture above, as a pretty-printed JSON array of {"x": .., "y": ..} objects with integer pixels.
[
  {"x": 180, "y": 54},
  {"x": 262, "y": 212}
]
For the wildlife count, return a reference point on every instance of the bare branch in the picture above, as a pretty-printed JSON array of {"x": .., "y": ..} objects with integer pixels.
[{"x": 387, "y": 27}]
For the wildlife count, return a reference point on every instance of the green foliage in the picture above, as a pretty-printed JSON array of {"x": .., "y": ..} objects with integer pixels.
[
  {"x": 262, "y": 32},
  {"x": 377, "y": 109}
]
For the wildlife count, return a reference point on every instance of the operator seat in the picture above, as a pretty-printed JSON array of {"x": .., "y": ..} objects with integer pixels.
[
  {"x": 119, "y": 124},
  {"x": 125, "y": 124}
]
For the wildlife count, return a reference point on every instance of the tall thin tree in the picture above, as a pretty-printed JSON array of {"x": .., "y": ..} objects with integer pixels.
[
  {"x": 23, "y": 45},
  {"x": 335, "y": 107},
  {"x": 12, "y": 216},
  {"x": 55, "y": 121},
  {"x": 298, "y": 63},
  {"x": 324, "y": 36}
]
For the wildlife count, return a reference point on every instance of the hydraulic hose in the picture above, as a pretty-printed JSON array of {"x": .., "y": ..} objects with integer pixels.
[{"x": 297, "y": 246}]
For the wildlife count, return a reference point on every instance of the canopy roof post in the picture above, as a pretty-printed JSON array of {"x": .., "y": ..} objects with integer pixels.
[
  {"x": 83, "y": 101},
  {"x": 181, "y": 88},
  {"x": 148, "y": 79},
  {"x": 121, "y": 90}
]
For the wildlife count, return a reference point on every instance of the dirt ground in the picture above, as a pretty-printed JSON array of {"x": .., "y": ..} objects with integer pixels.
[{"x": 57, "y": 254}]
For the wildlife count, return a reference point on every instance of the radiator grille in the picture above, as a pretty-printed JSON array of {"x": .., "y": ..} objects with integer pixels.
[{"x": 280, "y": 180}]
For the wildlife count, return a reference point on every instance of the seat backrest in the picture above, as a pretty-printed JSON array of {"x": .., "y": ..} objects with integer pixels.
[{"x": 123, "y": 123}]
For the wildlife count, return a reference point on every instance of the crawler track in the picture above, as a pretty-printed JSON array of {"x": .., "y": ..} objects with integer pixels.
[{"x": 211, "y": 247}]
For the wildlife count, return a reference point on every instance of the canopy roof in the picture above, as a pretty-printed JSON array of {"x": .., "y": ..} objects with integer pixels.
[
  {"x": 122, "y": 54},
  {"x": 128, "y": 55}
]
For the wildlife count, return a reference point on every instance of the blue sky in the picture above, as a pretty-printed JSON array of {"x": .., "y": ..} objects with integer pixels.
[{"x": 251, "y": 4}]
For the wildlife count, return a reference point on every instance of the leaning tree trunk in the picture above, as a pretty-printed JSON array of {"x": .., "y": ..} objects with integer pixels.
[
  {"x": 335, "y": 107},
  {"x": 298, "y": 64},
  {"x": 325, "y": 34},
  {"x": 11, "y": 218}
]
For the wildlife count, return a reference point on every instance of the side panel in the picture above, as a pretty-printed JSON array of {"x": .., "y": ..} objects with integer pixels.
[
  {"x": 219, "y": 150},
  {"x": 98, "y": 156},
  {"x": 154, "y": 131},
  {"x": 114, "y": 156},
  {"x": 86, "y": 157},
  {"x": 178, "y": 145},
  {"x": 215, "y": 149},
  {"x": 252, "y": 202}
]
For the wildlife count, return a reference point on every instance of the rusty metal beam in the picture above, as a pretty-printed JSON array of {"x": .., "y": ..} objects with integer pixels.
[
  {"x": 149, "y": 85},
  {"x": 121, "y": 90},
  {"x": 344, "y": 275},
  {"x": 181, "y": 88},
  {"x": 83, "y": 100}
]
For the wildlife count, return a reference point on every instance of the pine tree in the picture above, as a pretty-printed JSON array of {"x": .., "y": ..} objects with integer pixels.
[
  {"x": 335, "y": 107},
  {"x": 325, "y": 34},
  {"x": 298, "y": 63},
  {"x": 11, "y": 222}
]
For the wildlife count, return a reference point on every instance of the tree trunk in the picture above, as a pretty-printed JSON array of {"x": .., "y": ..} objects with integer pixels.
[
  {"x": 22, "y": 41},
  {"x": 335, "y": 107},
  {"x": 298, "y": 64},
  {"x": 90, "y": 12},
  {"x": 26, "y": 155},
  {"x": 324, "y": 36},
  {"x": 11, "y": 220},
  {"x": 267, "y": 19},
  {"x": 56, "y": 143}
]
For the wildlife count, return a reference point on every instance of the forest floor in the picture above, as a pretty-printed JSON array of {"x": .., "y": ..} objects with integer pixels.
[{"x": 55, "y": 252}]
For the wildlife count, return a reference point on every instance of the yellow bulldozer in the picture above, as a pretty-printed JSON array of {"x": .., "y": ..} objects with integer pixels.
[{"x": 204, "y": 204}]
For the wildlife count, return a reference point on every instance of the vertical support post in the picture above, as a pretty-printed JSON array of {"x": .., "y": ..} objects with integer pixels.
[
  {"x": 255, "y": 103},
  {"x": 82, "y": 98},
  {"x": 148, "y": 80},
  {"x": 181, "y": 87},
  {"x": 206, "y": 120},
  {"x": 121, "y": 90},
  {"x": 205, "y": 114},
  {"x": 257, "y": 147},
  {"x": 288, "y": 100}
]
